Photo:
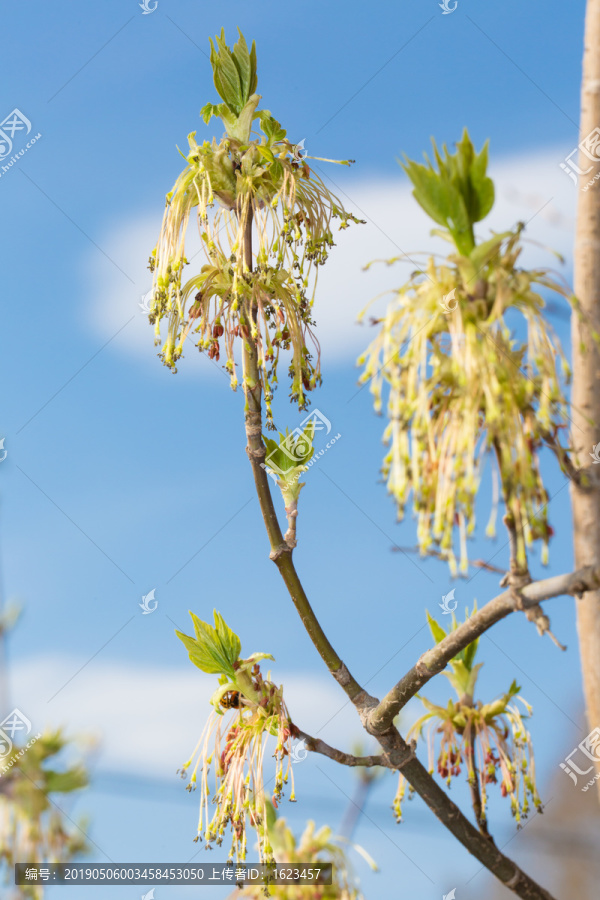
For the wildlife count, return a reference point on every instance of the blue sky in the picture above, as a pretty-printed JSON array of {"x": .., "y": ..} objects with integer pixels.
[{"x": 121, "y": 478}]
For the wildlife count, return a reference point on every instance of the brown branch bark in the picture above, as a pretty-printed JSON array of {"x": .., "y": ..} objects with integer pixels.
[
  {"x": 281, "y": 552},
  {"x": 481, "y": 847},
  {"x": 585, "y": 433},
  {"x": 435, "y": 660},
  {"x": 315, "y": 745}
]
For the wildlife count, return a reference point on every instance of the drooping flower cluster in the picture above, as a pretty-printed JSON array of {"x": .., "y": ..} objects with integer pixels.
[
  {"x": 314, "y": 849},
  {"x": 271, "y": 230},
  {"x": 489, "y": 739},
  {"x": 461, "y": 380},
  {"x": 235, "y": 746},
  {"x": 32, "y": 828}
]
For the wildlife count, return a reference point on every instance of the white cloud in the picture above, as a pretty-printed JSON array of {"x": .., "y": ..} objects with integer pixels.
[
  {"x": 528, "y": 187},
  {"x": 147, "y": 718}
]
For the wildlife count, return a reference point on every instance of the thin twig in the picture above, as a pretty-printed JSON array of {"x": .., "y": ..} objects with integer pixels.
[
  {"x": 346, "y": 759},
  {"x": 438, "y": 554},
  {"x": 473, "y": 779},
  {"x": 516, "y": 539}
]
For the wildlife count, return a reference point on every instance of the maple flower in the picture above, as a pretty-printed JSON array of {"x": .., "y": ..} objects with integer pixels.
[
  {"x": 463, "y": 375},
  {"x": 234, "y": 744},
  {"x": 254, "y": 179},
  {"x": 489, "y": 739}
]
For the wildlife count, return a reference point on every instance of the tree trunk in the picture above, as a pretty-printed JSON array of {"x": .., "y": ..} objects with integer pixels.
[{"x": 586, "y": 368}]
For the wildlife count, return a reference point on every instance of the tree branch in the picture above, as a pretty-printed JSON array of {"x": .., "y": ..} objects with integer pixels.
[
  {"x": 435, "y": 660},
  {"x": 397, "y": 752},
  {"x": 438, "y": 554},
  {"x": 281, "y": 552},
  {"x": 346, "y": 759},
  {"x": 585, "y": 396},
  {"x": 481, "y": 847}
]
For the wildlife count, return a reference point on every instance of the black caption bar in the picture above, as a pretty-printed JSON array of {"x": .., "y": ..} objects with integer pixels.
[{"x": 167, "y": 873}]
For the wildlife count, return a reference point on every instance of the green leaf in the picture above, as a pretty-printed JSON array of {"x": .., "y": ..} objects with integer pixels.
[
  {"x": 474, "y": 673},
  {"x": 428, "y": 191},
  {"x": 241, "y": 126},
  {"x": 484, "y": 252},
  {"x": 436, "y": 629},
  {"x": 459, "y": 193},
  {"x": 63, "y": 782},
  {"x": 253, "y": 69},
  {"x": 229, "y": 639},
  {"x": 483, "y": 185},
  {"x": 265, "y": 153},
  {"x": 459, "y": 677},
  {"x": 514, "y": 689},
  {"x": 225, "y": 74},
  {"x": 214, "y": 650},
  {"x": 271, "y": 815},
  {"x": 208, "y": 111},
  {"x": 469, "y": 653},
  {"x": 268, "y": 124},
  {"x": 209, "y": 640},
  {"x": 241, "y": 58},
  {"x": 276, "y": 170},
  {"x": 291, "y": 452},
  {"x": 200, "y": 657}
]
